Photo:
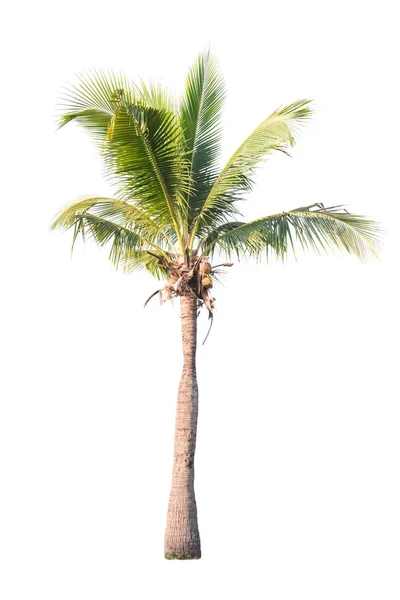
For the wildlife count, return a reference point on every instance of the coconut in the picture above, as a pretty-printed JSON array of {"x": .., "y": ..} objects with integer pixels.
[
  {"x": 205, "y": 268},
  {"x": 207, "y": 282}
]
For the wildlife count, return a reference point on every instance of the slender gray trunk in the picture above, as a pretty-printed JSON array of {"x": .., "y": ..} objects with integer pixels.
[{"x": 182, "y": 539}]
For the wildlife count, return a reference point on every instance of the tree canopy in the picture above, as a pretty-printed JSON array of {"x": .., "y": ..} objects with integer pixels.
[{"x": 172, "y": 197}]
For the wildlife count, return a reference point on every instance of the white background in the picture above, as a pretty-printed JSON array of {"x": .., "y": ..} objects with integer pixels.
[{"x": 297, "y": 467}]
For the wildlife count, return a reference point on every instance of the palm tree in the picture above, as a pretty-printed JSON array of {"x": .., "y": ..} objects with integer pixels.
[{"x": 175, "y": 209}]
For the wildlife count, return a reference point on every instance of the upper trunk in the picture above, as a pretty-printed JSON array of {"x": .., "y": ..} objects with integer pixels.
[{"x": 182, "y": 538}]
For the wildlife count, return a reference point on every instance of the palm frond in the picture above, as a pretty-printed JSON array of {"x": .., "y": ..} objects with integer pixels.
[
  {"x": 321, "y": 229},
  {"x": 130, "y": 235},
  {"x": 145, "y": 154},
  {"x": 276, "y": 133},
  {"x": 119, "y": 212},
  {"x": 200, "y": 114}
]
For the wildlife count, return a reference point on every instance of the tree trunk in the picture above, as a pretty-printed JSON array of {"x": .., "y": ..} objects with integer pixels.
[{"x": 182, "y": 539}]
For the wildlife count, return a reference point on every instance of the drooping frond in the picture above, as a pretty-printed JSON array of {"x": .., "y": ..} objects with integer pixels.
[
  {"x": 200, "y": 113},
  {"x": 320, "y": 229},
  {"x": 119, "y": 212},
  {"x": 276, "y": 133},
  {"x": 135, "y": 240}
]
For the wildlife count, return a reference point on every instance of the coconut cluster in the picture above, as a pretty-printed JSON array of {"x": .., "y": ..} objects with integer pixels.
[{"x": 189, "y": 275}]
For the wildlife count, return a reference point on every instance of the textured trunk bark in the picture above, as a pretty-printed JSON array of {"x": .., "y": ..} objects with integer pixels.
[{"x": 182, "y": 539}]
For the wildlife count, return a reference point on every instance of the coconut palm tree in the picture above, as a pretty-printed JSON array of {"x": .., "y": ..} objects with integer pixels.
[{"x": 175, "y": 210}]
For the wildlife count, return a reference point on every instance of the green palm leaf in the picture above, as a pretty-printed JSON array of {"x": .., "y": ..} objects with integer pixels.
[
  {"x": 200, "y": 114},
  {"x": 119, "y": 212},
  {"x": 146, "y": 158},
  {"x": 321, "y": 229},
  {"x": 273, "y": 134},
  {"x": 131, "y": 234}
]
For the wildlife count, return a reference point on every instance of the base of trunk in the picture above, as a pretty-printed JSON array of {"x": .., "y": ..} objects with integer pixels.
[
  {"x": 172, "y": 556},
  {"x": 182, "y": 540}
]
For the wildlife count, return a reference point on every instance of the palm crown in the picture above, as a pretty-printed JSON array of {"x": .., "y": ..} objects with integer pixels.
[{"x": 174, "y": 207}]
